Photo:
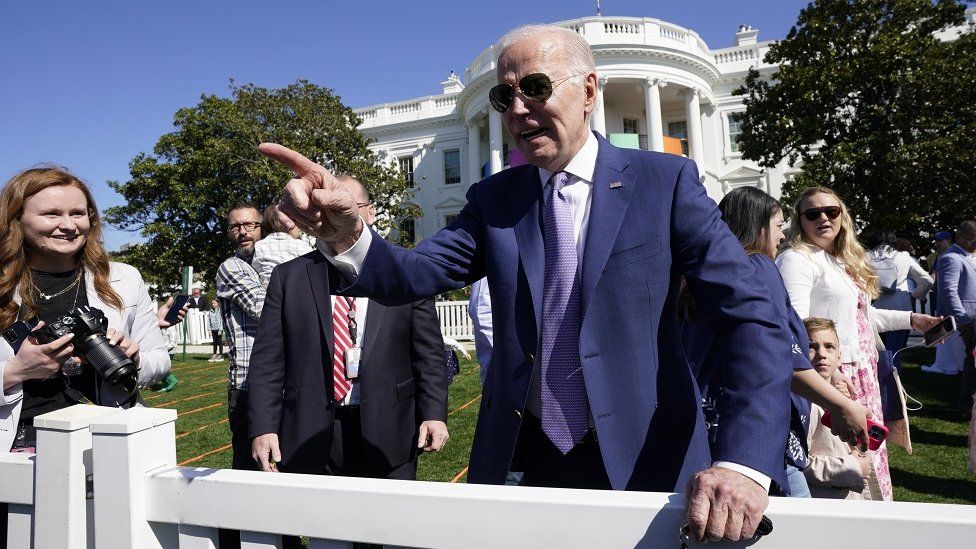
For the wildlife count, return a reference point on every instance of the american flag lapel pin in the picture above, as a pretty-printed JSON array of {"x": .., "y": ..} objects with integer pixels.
[{"x": 616, "y": 185}]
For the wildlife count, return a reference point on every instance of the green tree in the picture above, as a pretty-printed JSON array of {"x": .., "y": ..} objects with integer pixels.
[
  {"x": 179, "y": 196},
  {"x": 869, "y": 101}
]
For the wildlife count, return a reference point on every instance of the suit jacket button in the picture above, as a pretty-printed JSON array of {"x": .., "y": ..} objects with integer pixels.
[
  {"x": 518, "y": 414},
  {"x": 530, "y": 358}
]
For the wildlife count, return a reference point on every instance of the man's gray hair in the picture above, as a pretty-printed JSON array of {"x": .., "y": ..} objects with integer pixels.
[{"x": 576, "y": 50}]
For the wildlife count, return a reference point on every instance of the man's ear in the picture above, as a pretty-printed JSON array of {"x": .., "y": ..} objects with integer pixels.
[{"x": 591, "y": 87}]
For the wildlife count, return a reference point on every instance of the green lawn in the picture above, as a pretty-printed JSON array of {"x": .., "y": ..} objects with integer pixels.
[{"x": 936, "y": 472}]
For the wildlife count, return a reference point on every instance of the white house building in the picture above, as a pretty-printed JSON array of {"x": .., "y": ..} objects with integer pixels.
[{"x": 662, "y": 88}]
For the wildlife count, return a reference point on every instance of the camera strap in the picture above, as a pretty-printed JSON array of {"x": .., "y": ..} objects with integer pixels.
[{"x": 76, "y": 396}]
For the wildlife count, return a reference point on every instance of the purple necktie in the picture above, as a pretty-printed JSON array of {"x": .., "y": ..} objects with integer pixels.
[{"x": 564, "y": 405}]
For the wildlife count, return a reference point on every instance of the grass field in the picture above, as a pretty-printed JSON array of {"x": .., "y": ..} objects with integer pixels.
[{"x": 935, "y": 473}]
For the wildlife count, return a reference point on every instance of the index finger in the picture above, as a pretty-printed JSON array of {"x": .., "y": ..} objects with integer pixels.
[
  {"x": 295, "y": 161},
  {"x": 57, "y": 343}
]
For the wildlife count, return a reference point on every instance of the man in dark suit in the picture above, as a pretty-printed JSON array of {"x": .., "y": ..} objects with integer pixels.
[
  {"x": 583, "y": 250},
  {"x": 197, "y": 300},
  {"x": 310, "y": 411}
]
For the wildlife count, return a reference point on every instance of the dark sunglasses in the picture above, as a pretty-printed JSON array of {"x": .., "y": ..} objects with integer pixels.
[
  {"x": 535, "y": 86},
  {"x": 813, "y": 214}
]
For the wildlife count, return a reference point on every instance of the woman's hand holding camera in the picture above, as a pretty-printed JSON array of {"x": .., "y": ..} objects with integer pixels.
[
  {"x": 37, "y": 360},
  {"x": 129, "y": 347}
]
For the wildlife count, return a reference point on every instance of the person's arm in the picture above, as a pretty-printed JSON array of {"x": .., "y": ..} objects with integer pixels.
[
  {"x": 154, "y": 362},
  {"x": 430, "y": 375},
  {"x": 266, "y": 378},
  {"x": 799, "y": 275},
  {"x": 949, "y": 273},
  {"x": 239, "y": 282},
  {"x": 479, "y": 309},
  {"x": 851, "y": 417},
  {"x": 923, "y": 282},
  {"x": 755, "y": 406}
]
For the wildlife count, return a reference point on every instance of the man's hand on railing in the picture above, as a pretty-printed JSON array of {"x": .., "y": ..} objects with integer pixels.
[
  {"x": 433, "y": 435},
  {"x": 264, "y": 450},
  {"x": 723, "y": 504}
]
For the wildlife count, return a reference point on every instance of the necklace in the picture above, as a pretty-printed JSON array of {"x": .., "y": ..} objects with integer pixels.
[{"x": 47, "y": 297}]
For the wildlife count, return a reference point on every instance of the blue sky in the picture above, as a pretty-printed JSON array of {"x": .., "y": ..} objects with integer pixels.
[{"x": 89, "y": 85}]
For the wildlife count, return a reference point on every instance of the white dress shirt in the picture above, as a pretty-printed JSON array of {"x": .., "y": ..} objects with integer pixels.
[{"x": 579, "y": 191}]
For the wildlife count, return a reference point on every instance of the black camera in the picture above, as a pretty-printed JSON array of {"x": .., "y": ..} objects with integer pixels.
[{"x": 88, "y": 325}]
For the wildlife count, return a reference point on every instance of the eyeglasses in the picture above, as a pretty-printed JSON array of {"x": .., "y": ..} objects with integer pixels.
[
  {"x": 248, "y": 226},
  {"x": 535, "y": 86},
  {"x": 813, "y": 214}
]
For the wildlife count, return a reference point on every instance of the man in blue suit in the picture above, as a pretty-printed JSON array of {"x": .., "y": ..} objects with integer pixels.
[
  {"x": 956, "y": 280},
  {"x": 583, "y": 250}
]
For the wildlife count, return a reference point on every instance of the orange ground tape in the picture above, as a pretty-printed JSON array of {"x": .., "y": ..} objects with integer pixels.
[
  {"x": 194, "y": 397},
  {"x": 184, "y": 414},
  {"x": 203, "y": 455},
  {"x": 160, "y": 395},
  {"x": 181, "y": 435},
  {"x": 458, "y": 476},
  {"x": 465, "y": 405}
]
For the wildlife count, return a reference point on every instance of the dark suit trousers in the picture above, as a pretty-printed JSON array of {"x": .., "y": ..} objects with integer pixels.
[{"x": 545, "y": 465}]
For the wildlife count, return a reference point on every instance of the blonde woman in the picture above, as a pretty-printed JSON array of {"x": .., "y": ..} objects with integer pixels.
[
  {"x": 828, "y": 274},
  {"x": 52, "y": 262}
]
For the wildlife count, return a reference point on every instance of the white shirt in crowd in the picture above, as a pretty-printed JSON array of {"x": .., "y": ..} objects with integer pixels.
[{"x": 273, "y": 250}]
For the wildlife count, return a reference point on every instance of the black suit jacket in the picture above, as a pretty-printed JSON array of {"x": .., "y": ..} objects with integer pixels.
[
  {"x": 403, "y": 377},
  {"x": 199, "y": 303}
]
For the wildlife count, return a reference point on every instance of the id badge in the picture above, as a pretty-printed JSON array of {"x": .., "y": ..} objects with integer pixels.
[{"x": 352, "y": 356}]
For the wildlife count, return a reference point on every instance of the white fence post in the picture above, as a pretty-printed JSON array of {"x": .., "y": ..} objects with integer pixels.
[
  {"x": 62, "y": 511},
  {"x": 126, "y": 445},
  {"x": 17, "y": 489}
]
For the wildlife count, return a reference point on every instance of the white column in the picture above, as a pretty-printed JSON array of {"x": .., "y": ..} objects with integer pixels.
[
  {"x": 474, "y": 152},
  {"x": 125, "y": 446},
  {"x": 696, "y": 149},
  {"x": 652, "y": 108},
  {"x": 62, "y": 510},
  {"x": 494, "y": 141},
  {"x": 598, "y": 118}
]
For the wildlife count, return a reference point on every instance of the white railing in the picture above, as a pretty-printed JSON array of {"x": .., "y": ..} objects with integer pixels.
[
  {"x": 430, "y": 106},
  {"x": 140, "y": 499},
  {"x": 453, "y": 315},
  {"x": 455, "y": 320},
  {"x": 197, "y": 331},
  {"x": 638, "y": 31}
]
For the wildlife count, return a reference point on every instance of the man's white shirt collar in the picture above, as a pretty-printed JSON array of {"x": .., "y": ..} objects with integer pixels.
[{"x": 582, "y": 165}]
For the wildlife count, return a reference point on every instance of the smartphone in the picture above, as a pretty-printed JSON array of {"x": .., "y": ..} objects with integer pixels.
[
  {"x": 876, "y": 432},
  {"x": 173, "y": 314},
  {"x": 940, "y": 331}
]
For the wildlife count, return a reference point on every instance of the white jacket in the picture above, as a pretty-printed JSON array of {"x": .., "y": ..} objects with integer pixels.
[
  {"x": 137, "y": 321},
  {"x": 819, "y": 286},
  {"x": 894, "y": 268}
]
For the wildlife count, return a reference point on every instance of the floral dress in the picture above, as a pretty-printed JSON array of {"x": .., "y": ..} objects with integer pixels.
[{"x": 864, "y": 376}]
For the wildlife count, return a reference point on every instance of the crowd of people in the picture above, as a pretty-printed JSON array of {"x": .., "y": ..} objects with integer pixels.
[{"x": 640, "y": 338}]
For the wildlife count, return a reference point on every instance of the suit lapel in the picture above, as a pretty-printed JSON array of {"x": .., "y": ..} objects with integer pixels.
[
  {"x": 528, "y": 234},
  {"x": 374, "y": 317},
  {"x": 318, "y": 278},
  {"x": 611, "y": 194}
]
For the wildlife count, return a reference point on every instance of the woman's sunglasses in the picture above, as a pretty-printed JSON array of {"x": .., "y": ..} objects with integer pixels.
[
  {"x": 813, "y": 214},
  {"x": 535, "y": 86}
]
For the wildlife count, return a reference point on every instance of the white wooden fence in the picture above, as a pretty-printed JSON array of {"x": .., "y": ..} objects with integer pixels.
[
  {"x": 453, "y": 316},
  {"x": 107, "y": 478}
]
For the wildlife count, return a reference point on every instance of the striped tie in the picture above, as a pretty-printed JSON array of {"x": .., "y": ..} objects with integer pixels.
[{"x": 340, "y": 326}]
